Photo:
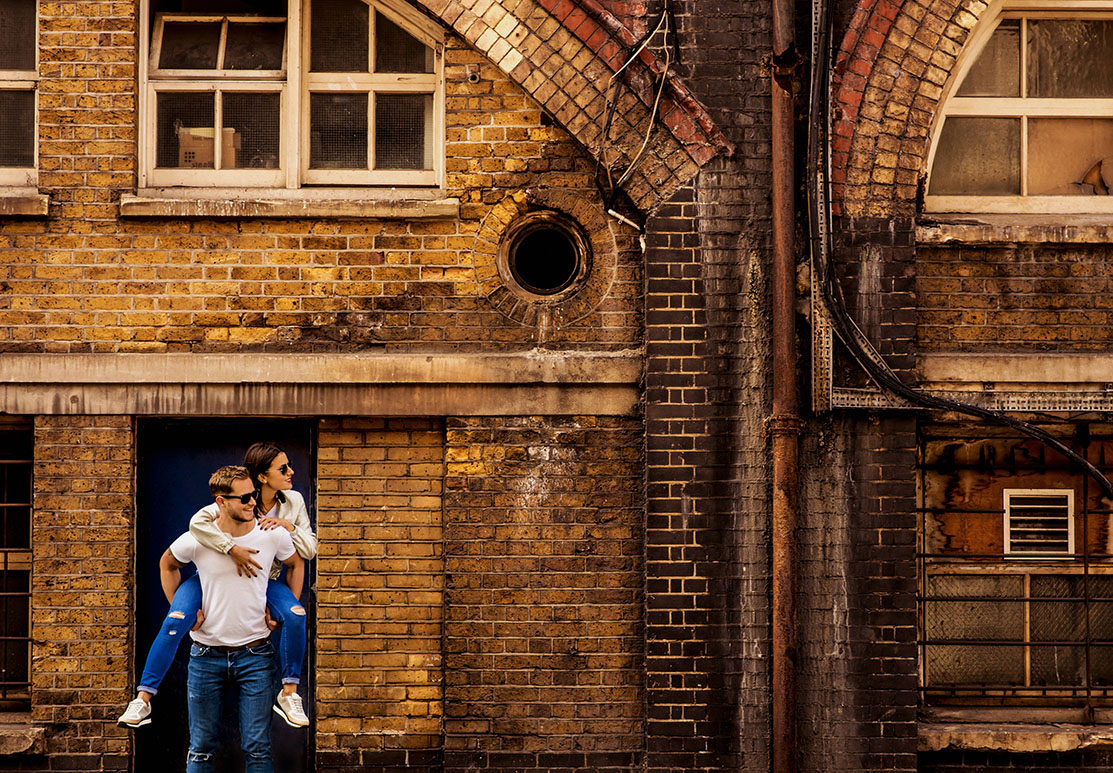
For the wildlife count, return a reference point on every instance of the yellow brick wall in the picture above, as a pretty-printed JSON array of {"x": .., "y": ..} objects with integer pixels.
[
  {"x": 379, "y": 587},
  {"x": 82, "y": 588},
  {"x": 86, "y": 280}
]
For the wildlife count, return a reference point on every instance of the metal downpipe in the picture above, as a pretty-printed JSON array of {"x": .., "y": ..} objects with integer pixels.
[{"x": 784, "y": 425}]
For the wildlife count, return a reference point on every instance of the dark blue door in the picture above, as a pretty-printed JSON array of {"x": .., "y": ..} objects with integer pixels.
[{"x": 175, "y": 459}]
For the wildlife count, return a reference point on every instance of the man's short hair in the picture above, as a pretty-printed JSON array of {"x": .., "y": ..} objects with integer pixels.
[{"x": 220, "y": 484}]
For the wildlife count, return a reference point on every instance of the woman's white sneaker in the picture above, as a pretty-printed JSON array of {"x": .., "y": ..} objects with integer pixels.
[
  {"x": 138, "y": 713},
  {"x": 289, "y": 708}
]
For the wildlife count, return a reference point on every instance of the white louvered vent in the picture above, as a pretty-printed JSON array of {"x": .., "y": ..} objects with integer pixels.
[{"x": 1039, "y": 523}]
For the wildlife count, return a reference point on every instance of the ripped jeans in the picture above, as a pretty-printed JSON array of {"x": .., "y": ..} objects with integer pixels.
[
  {"x": 249, "y": 672},
  {"x": 289, "y": 639}
]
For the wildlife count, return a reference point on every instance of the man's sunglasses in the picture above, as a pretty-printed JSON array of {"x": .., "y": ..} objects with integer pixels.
[{"x": 243, "y": 498}]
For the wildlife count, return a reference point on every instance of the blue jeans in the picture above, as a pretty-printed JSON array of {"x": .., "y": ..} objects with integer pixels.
[
  {"x": 289, "y": 641},
  {"x": 249, "y": 672}
]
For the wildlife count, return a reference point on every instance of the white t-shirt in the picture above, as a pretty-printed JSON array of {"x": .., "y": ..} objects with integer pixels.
[{"x": 234, "y": 606}]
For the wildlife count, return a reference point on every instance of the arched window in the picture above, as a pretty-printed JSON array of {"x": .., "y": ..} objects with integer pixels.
[{"x": 1027, "y": 126}]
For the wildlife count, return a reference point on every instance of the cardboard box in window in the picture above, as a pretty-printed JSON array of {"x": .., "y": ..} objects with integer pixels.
[{"x": 195, "y": 148}]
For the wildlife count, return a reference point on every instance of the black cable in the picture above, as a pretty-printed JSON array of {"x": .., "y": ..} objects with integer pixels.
[{"x": 843, "y": 323}]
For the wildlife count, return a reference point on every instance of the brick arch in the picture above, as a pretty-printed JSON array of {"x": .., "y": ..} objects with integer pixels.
[
  {"x": 563, "y": 53},
  {"x": 890, "y": 72}
]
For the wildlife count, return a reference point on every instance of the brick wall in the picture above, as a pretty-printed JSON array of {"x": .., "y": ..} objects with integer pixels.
[
  {"x": 82, "y": 590},
  {"x": 1014, "y": 298},
  {"x": 86, "y": 280},
  {"x": 543, "y": 594},
  {"x": 379, "y": 594}
]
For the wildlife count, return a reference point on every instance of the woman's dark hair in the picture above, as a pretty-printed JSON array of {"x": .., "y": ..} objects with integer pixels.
[{"x": 258, "y": 459}]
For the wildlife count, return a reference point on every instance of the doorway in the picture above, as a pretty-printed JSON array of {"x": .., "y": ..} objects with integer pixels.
[{"x": 174, "y": 460}]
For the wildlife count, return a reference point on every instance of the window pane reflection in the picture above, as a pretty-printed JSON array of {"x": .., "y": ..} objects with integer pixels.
[
  {"x": 17, "y": 128},
  {"x": 397, "y": 50},
  {"x": 996, "y": 73},
  {"x": 251, "y": 126},
  {"x": 403, "y": 131},
  {"x": 338, "y": 36},
  {"x": 1070, "y": 58},
  {"x": 977, "y": 156},
  {"x": 190, "y": 46},
  {"x": 1070, "y": 156},
  {"x": 17, "y": 34},
  {"x": 255, "y": 46}
]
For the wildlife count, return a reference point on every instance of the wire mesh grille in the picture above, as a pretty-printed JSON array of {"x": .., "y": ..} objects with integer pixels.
[
  {"x": 403, "y": 135},
  {"x": 398, "y": 51},
  {"x": 254, "y": 122},
  {"x": 17, "y": 128},
  {"x": 338, "y": 36},
  {"x": 185, "y": 129},
  {"x": 254, "y": 46},
  {"x": 17, "y": 34},
  {"x": 338, "y": 131}
]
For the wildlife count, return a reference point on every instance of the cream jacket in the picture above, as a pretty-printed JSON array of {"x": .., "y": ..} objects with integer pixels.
[{"x": 289, "y": 505}]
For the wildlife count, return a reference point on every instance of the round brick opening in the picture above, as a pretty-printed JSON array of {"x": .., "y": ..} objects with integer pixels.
[{"x": 544, "y": 255}]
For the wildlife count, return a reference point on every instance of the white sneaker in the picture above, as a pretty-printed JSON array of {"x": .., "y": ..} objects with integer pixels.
[
  {"x": 289, "y": 708},
  {"x": 138, "y": 714}
]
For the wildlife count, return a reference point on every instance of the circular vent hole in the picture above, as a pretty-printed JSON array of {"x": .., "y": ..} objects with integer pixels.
[{"x": 545, "y": 255}]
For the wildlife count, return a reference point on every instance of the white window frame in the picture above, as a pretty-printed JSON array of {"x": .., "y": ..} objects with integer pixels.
[
  {"x": 24, "y": 80},
  {"x": 293, "y": 172},
  {"x": 1020, "y": 107},
  {"x": 1068, "y": 495}
]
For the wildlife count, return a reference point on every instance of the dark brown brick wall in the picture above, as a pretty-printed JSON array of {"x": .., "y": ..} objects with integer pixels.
[{"x": 1014, "y": 298}]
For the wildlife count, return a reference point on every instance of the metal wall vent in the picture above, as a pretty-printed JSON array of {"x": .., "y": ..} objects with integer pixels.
[{"x": 1039, "y": 523}]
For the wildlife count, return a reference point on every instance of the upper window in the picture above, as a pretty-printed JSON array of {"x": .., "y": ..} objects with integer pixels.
[
  {"x": 332, "y": 92},
  {"x": 18, "y": 79},
  {"x": 1028, "y": 126}
]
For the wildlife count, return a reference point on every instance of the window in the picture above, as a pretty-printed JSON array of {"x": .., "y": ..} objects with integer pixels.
[
  {"x": 1028, "y": 126},
  {"x": 329, "y": 92},
  {"x": 18, "y": 79},
  {"x": 15, "y": 564},
  {"x": 1015, "y": 573}
]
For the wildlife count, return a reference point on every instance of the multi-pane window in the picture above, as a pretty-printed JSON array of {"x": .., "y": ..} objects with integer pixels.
[
  {"x": 18, "y": 80},
  {"x": 15, "y": 564},
  {"x": 1016, "y": 572},
  {"x": 329, "y": 92},
  {"x": 1028, "y": 125}
]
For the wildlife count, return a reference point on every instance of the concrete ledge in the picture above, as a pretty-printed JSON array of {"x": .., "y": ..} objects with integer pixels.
[
  {"x": 527, "y": 383},
  {"x": 19, "y": 736},
  {"x": 1014, "y": 738},
  {"x": 268, "y": 204},
  {"x": 23, "y": 204},
  {"x": 1020, "y": 369},
  {"x": 1012, "y": 229}
]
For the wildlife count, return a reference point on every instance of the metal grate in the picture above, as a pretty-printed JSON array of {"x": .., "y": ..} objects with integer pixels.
[
  {"x": 995, "y": 630},
  {"x": 1039, "y": 522},
  {"x": 15, "y": 565}
]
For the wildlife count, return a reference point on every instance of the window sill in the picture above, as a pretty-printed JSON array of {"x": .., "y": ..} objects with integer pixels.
[
  {"x": 18, "y": 202},
  {"x": 18, "y": 735},
  {"x": 1013, "y": 229},
  {"x": 1014, "y": 737},
  {"x": 333, "y": 203}
]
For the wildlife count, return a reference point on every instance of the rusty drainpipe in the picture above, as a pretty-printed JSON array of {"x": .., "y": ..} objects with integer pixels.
[{"x": 784, "y": 425}]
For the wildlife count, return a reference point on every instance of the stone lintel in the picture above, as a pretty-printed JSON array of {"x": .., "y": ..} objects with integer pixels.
[
  {"x": 1014, "y": 737},
  {"x": 967, "y": 230},
  {"x": 1017, "y": 370},
  {"x": 532, "y": 383},
  {"x": 189, "y": 205},
  {"x": 24, "y": 204}
]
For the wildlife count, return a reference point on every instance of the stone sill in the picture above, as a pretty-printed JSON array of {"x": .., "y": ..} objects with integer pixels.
[
  {"x": 332, "y": 203},
  {"x": 18, "y": 735},
  {"x": 1052, "y": 370},
  {"x": 1014, "y": 229},
  {"x": 18, "y": 203},
  {"x": 1014, "y": 737}
]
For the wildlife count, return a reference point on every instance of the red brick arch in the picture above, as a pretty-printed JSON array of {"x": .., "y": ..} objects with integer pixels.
[
  {"x": 563, "y": 53},
  {"x": 890, "y": 71}
]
